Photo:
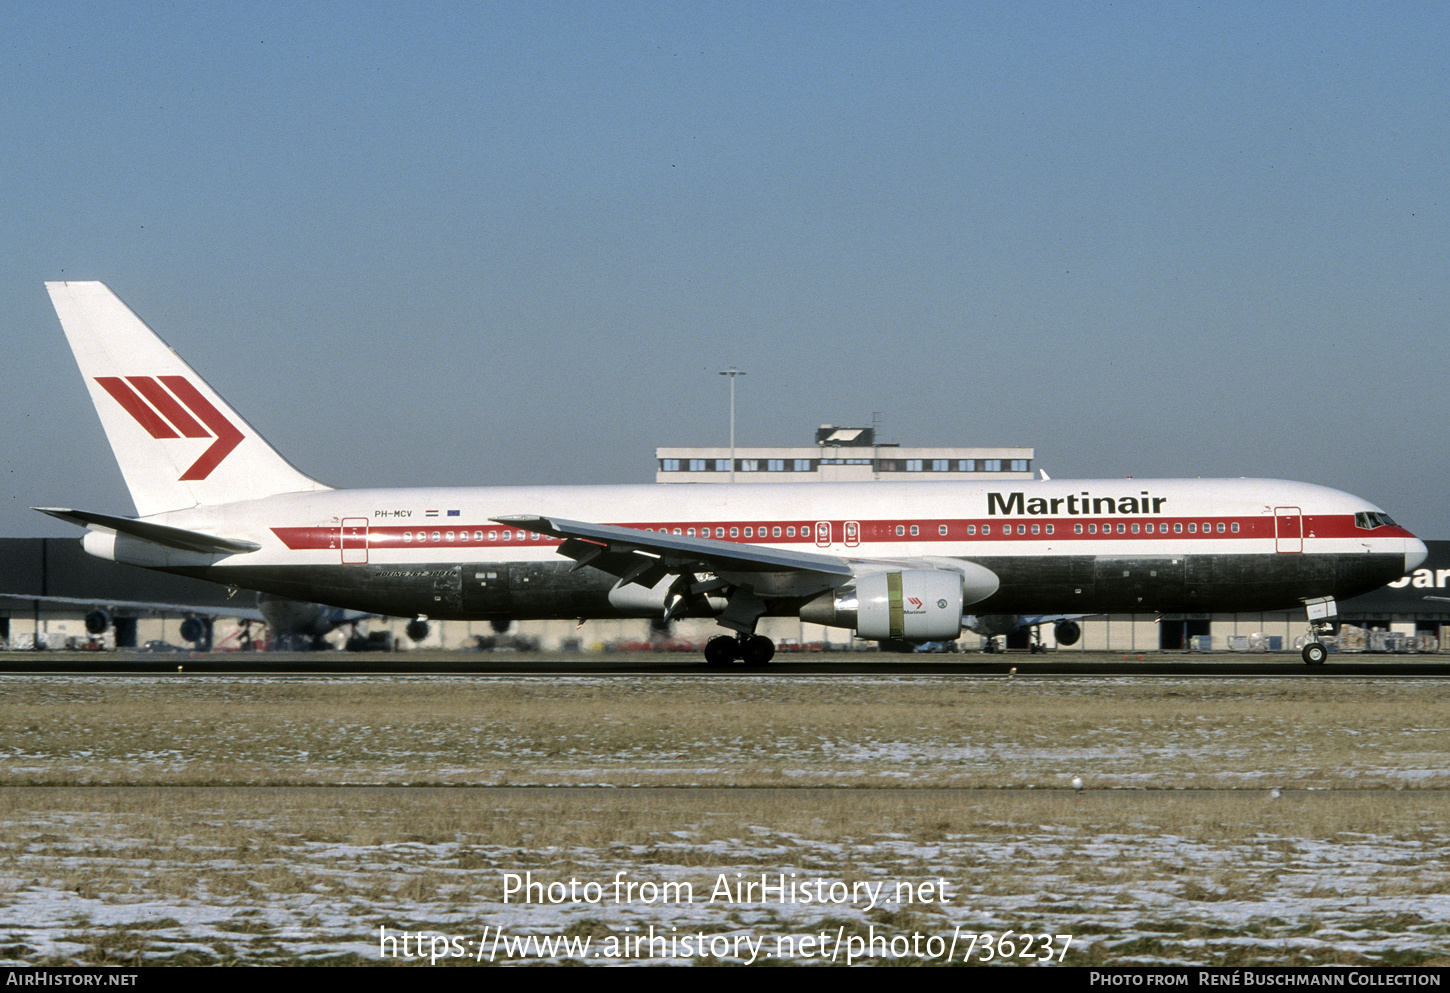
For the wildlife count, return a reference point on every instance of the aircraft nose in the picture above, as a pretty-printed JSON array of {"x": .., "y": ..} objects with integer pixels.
[{"x": 1415, "y": 552}]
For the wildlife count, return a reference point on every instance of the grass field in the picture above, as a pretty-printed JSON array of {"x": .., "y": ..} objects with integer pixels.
[{"x": 285, "y": 819}]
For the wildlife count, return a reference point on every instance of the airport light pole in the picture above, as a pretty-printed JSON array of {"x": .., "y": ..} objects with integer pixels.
[{"x": 732, "y": 372}]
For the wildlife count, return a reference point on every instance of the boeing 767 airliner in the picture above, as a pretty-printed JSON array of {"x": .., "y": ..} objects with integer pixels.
[{"x": 889, "y": 561}]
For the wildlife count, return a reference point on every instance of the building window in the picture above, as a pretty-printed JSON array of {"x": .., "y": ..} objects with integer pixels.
[
  {"x": 749, "y": 465},
  {"x": 1019, "y": 465},
  {"x": 913, "y": 465},
  {"x": 966, "y": 465},
  {"x": 722, "y": 465},
  {"x": 941, "y": 465},
  {"x": 697, "y": 465},
  {"x": 775, "y": 465},
  {"x": 991, "y": 465},
  {"x": 802, "y": 465}
]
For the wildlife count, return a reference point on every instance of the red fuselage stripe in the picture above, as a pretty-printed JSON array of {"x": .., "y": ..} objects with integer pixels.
[{"x": 1203, "y": 528}]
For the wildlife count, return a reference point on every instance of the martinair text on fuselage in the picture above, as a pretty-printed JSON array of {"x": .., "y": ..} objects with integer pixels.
[{"x": 1018, "y": 503}]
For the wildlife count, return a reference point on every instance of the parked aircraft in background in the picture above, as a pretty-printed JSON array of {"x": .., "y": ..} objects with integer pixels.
[
  {"x": 292, "y": 624},
  {"x": 897, "y": 562}
]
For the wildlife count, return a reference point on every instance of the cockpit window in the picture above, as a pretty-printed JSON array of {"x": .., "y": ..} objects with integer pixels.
[{"x": 1371, "y": 519}]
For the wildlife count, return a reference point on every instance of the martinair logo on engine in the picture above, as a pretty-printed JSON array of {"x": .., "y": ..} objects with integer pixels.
[{"x": 164, "y": 405}]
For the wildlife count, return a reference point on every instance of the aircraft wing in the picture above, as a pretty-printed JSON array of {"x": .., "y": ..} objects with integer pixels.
[
  {"x": 140, "y": 606},
  {"x": 646, "y": 557},
  {"x": 748, "y": 576}
]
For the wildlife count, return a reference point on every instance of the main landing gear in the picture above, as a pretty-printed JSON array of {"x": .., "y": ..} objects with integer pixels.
[
  {"x": 752, "y": 649},
  {"x": 1314, "y": 653}
]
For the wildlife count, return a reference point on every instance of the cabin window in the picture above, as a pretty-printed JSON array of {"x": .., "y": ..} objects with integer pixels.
[
  {"x": 734, "y": 532},
  {"x": 1122, "y": 529},
  {"x": 1077, "y": 529},
  {"x": 1222, "y": 527},
  {"x": 1036, "y": 529},
  {"x": 1022, "y": 529},
  {"x": 719, "y": 532},
  {"x": 1178, "y": 528},
  {"x": 1135, "y": 529},
  {"x": 407, "y": 537},
  {"x": 972, "y": 529},
  {"x": 1092, "y": 529},
  {"x": 941, "y": 529},
  {"x": 1234, "y": 527},
  {"x": 750, "y": 532},
  {"x": 1049, "y": 529},
  {"x": 900, "y": 530},
  {"x": 775, "y": 532},
  {"x": 986, "y": 529}
]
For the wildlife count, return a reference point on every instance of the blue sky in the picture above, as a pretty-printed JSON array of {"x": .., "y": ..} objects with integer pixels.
[{"x": 422, "y": 244}]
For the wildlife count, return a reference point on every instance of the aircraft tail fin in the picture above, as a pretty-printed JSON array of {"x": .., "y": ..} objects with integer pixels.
[{"x": 178, "y": 443}]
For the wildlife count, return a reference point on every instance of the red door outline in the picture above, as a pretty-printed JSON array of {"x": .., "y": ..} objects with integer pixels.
[
  {"x": 354, "y": 541},
  {"x": 1288, "y": 529}
]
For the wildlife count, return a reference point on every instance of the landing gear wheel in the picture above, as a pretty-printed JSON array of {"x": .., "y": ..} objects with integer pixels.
[
  {"x": 1314, "y": 653},
  {"x": 757, "y": 650},
  {"x": 720, "y": 650}
]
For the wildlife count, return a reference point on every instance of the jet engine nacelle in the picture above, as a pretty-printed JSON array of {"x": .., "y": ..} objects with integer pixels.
[
  {"x": 97, "y": 621},
  {"x": 913, "y": 605},
  {"x": 1067, "y": 632}
]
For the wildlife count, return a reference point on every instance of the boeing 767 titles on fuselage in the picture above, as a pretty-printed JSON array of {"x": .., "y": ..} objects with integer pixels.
[{"x": 889, "y": 561}]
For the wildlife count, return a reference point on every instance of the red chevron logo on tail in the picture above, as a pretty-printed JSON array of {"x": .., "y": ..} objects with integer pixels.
[{"x": 164, "y": 406}]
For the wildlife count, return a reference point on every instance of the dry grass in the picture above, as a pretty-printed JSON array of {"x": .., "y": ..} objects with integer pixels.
[
  {"x": 176, "y": 851},
  {"x": 673, "y": 731},
  {"x": 298, "y": 874}
]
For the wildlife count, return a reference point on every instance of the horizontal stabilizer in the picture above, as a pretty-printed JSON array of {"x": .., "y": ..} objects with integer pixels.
[{"x": 159, "y": 534}]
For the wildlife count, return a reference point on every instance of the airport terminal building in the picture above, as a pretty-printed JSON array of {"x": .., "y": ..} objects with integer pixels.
[{"x": 840, "y": 455}]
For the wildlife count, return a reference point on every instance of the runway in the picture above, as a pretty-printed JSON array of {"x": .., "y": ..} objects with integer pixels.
[{"x": 1010, "y": 665}]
